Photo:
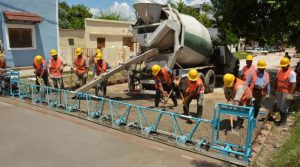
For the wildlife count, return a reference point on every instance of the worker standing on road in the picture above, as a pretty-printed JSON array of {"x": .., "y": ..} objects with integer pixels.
[
  {"x": 81, "y": 66},
  {"x": 195, "y": 89},
  {"x": 100, "y": 67},
  {"x": 237, "y": 93},
  {"x": 163, "y": 83},
  {"x": 41, "y": 70},
  {"x": 259, "y": 83},
  {"x": 285, "y": 87},
  {"x": 248, "y": 68},
  {"x": 2, "y": 63},
  {"x": 2, "y": 67},
  {"x": 56, "y": 69}
]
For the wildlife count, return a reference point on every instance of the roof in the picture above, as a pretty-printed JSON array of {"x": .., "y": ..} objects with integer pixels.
[
  {"x": 110, "y": 21},
  {"x": 22, "y": 16}
]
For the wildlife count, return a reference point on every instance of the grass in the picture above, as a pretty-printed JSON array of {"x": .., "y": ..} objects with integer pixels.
[
  {"x": 289, "y": 154},
  {"x": 240, "y": 54}
]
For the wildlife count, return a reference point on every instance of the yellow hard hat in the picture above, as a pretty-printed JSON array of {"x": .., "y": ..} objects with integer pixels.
[
  {"x": 284, "y": 62},
  {"x": 78, "y": 51},
  {"x": 155, "y": 69},
  {"x": 98, "y": 56},
  {"x": 193, "y": 75},
  {"x": 228, "y": 80},
  {"x": 261, "y": 64},
  {"x": 53, "y": 52},
  {"x": 249, "y": 57},
  {"x": 98, "y": 51},
  {"x": 38, "y": 59}
]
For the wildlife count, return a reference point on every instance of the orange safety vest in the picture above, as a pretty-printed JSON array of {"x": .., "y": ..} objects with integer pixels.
[
  {"x": 253, "y": 79},
  {"x": 1, "y": 65},
  {"x": 283, "y": 83},
  {"x": 39, "y": 68},
  {"x": 192, "y": 86},
  {"x": 247, "y": 71},
  {"x": 80, "y": 65},
  {"x": 100, "y": 69},
  {"x": 55, "y": 67},
  {"x": 166, "y": 76},
  {"x": 247, "y": 94}
]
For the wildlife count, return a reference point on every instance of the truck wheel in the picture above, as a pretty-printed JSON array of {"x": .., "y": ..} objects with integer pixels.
[{"x": 210, "y": 81}]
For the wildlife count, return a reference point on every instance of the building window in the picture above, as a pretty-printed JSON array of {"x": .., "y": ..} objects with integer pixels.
[
  {"x": 100, "y": 43},
  {"x": 21, "y": 37},
  {"x": 71, "y": 41},
  {"x": 128, "y": 41}
]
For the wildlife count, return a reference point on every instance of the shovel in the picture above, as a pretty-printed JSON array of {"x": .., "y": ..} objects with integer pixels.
[{"x": 166, "y": 100}]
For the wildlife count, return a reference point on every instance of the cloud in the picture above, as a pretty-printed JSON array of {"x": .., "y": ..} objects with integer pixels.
[
  {"x": 124, "y": 9},
  {"x": 194, "y": 2}
]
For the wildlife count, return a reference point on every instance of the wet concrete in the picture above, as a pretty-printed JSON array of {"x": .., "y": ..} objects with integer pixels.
[{"x": 33, "y": 136}]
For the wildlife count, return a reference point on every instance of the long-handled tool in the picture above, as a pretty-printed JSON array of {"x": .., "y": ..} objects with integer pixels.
[{"x": 166, "y": 100}]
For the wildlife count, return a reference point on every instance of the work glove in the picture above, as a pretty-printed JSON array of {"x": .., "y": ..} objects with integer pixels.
[
  {"x": 176, "y": 83},
  {"x": 165, "y": 93},
  {"x": 289, "y": 97}
]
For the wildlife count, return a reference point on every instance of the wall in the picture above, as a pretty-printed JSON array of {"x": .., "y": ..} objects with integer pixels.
[
  {"x": 77, "y": 35},
  {"x": 46, "y": 31}
]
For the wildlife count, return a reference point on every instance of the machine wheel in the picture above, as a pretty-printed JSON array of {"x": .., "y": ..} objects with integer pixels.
[{"x": 210, "y": 81}]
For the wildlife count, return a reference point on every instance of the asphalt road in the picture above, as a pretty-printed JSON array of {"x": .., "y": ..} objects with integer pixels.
[{"x": 36, "y": 137}]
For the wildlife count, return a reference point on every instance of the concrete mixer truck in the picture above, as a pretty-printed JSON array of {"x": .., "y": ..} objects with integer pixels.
[
  {"x": 183, "y": 43},
  {"x": 178, "y": 41}
]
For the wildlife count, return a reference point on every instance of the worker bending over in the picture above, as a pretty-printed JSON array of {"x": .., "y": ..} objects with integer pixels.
[
  {"x": 248, "y": 68},
  {"x": 195, "y": 90},
  {"x": 237, "y": 93},
  {"x": 41, "y": 70},
  {"x": 259, "y": 83},
  {"x": 163, "y": 83},
  {"x": 82, "y": 68},
  {"x": 56, "y": 69},
  {"x": 285, "y": 87},
  {"x": 100, "y": 67}
]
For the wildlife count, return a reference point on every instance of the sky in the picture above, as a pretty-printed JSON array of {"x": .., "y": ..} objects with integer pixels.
[{"x": 124, "y": 7}]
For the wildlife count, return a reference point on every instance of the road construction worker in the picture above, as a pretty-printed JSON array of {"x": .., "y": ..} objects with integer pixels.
[
  {"x": 285, "y": 87},
  {"x": 259, "y": 83},
  {"x": 195, "y": 89},
  {"x": 248, "y": 68},
  {"x": 56, "y": 69},
  {"x": 41, "y": 70},
  {"x": 163, "y": 83},
  {"x": 100, "y": 67},
  {"x": 237, "y": 93},
  {"x": 82, "y": 68},
  {"x": 297, "y": 70},
  {"x": 2, "y": 67}
]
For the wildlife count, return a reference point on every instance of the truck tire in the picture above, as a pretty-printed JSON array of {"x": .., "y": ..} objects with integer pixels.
[{"x": 210, "y": 81}]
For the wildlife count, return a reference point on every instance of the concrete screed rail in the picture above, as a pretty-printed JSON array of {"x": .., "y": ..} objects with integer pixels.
[{"x": 72, "y": 101}]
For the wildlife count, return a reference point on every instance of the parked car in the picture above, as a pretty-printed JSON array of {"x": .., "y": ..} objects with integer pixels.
[
  {"x": 256, "y": 51},
  {"x": 271, "y": 50}
]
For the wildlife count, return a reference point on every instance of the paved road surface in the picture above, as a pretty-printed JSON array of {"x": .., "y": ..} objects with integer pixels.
[{"x": 35, "y": 137}]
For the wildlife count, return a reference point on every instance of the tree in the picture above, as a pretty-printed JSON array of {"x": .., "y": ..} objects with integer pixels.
[
  {"x": 72, "y": 17},
  {"x": 188, "y": 10},
  {"x": 265, "y": 21},
  {"x": 110, "y": 15}
]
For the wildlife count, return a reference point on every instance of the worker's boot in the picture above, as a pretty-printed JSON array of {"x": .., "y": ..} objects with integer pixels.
[
  {"x": 156, "y": 102},
  {"x": 199, "y": 111},
  {"x": 283, "y": 119},
  {"x": 174, "y": 99},
  {"x": 239, "y": 123}
]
